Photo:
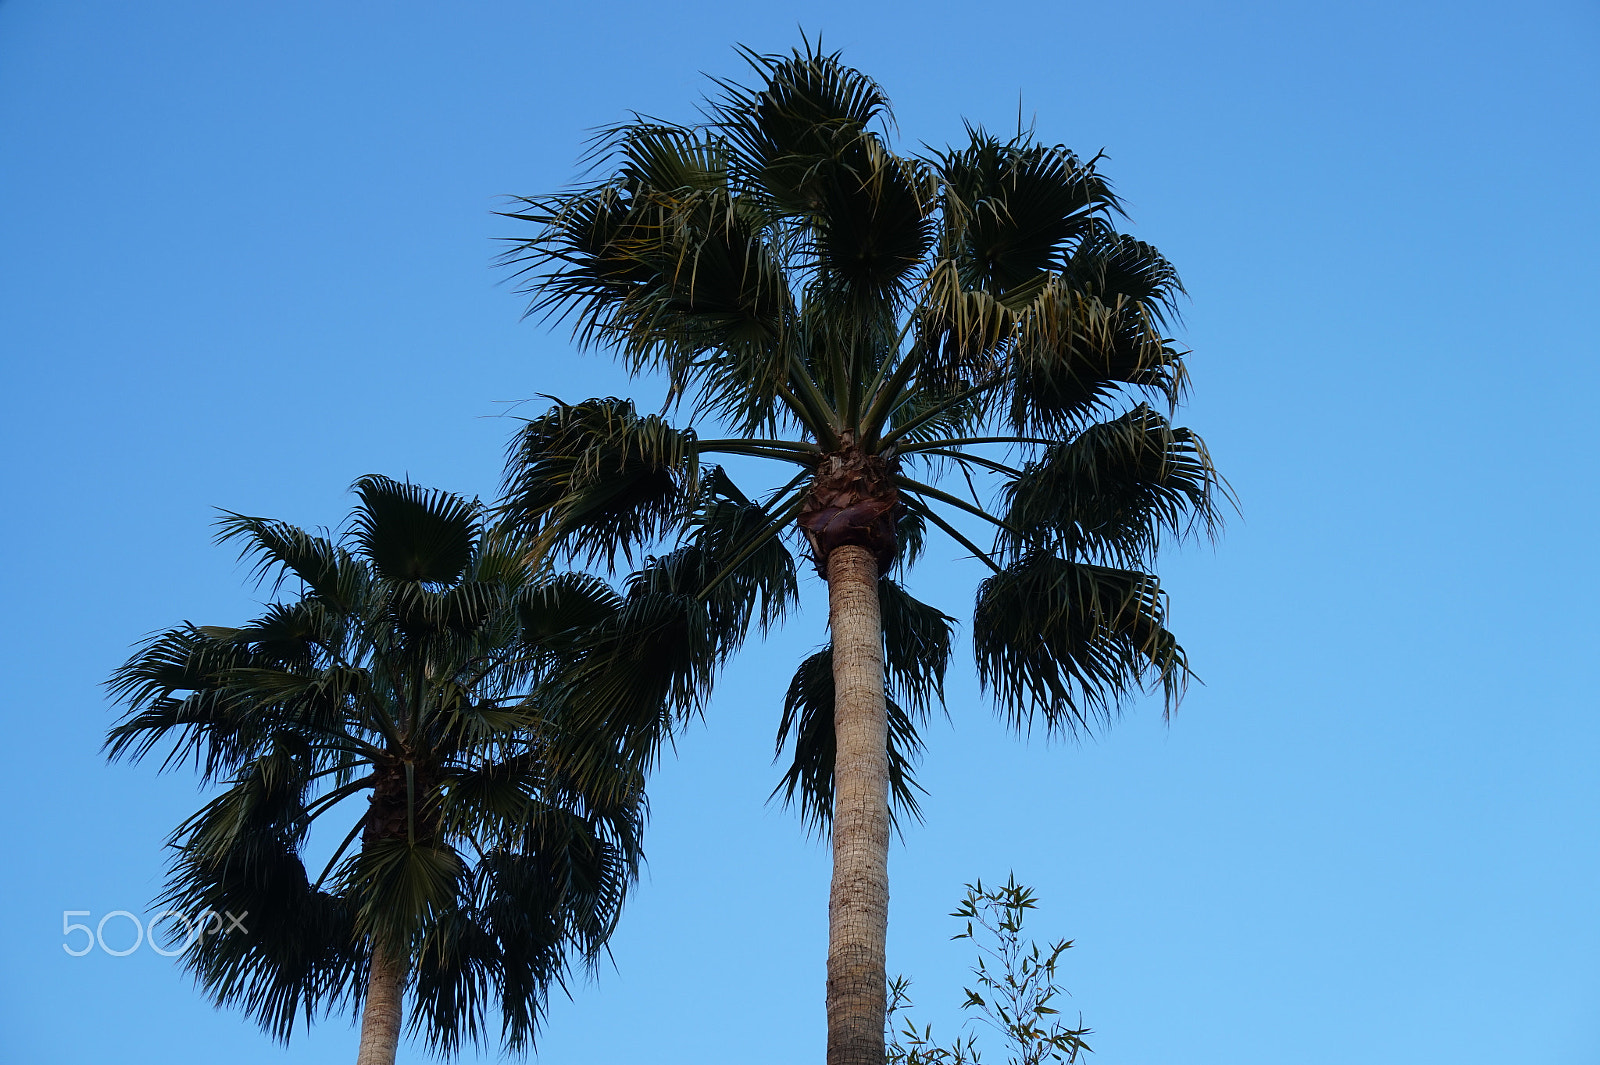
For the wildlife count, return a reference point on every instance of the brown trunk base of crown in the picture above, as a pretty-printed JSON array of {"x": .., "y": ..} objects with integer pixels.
[
  {"x": 852, "y": 501},
  {"x": 399, "y": 807}
]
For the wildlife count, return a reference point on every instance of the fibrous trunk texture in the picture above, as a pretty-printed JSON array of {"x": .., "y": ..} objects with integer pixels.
[
  {"x": 398, "y": 808},
  {"x": 853, "y": 500},
  {"x": 380, "y": 1018},
  {"x": 858, "y": 903}
]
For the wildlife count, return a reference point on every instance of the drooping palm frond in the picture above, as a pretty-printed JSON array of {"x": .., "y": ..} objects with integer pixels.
[
  {"x": 807, "y": 785},
  {"x": 1110, "y": 265},
  {"x": 259, "y": 935},
  {"x": 1111, "y": 492},
  {"x": 641, "y": 672},
  {"x": 1070, "y": 641},
  {"x": 171, "y": 690},
  {"x": 556, "y": 609},
  {"x": 732, "y": 557},
  {"x": 597, "y": 479},
  {"x": 916, "y": 645},
  {"x": 1075, "y": 352}
]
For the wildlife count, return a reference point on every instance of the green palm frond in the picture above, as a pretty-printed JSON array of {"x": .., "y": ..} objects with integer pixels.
[
  {"x": 1110, "y": 265},
  {"x": 411, "y": 533},
  {"x": 279, "y": 550},
  {"x": 1070, "y": 641},
  {"x": 596, "y": 478},
  {"x": 637, "y": 674},
  {"x": 297, "y": 955},
  {"x": 870, "y": 229},
  {"x": 807, "y": 115},
  {"x": 1076, "y": 352},
  {"x": 807, "y": 785},
  {"x": 734, "y": 558},
  {"x": 1013, "y": 209},
  {"x": 555, "y": 609},
  {"x": 916, "y": 647},
  {"x": 171, "y": 691},
  {"x": 1112, "y": 491},
  {"x": 402, "y": 886}
]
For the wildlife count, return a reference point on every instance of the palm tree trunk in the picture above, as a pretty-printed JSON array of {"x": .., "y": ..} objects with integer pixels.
[
  {"x": 380, "y": 1018},
  {"x": 858, "y": 902}
]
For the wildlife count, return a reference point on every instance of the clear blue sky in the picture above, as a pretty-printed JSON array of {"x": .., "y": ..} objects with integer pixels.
[{"x": 246, "y": 259}]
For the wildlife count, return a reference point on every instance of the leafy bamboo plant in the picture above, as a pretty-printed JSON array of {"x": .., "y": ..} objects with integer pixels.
[
  {"x": 1016, "y": 995},
  {"x": 893, "y": 329},
  {"x": 411, "y": 691}
]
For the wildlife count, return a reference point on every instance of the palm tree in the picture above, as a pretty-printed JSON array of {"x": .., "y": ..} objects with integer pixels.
[
  {"x": 892, "y": 328},
  {"x": 420, "y": 665}
]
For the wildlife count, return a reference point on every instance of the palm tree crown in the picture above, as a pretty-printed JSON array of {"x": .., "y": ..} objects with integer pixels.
[
  {"x": 893, "y": 328},
  {"x": 421, "y": 666}
]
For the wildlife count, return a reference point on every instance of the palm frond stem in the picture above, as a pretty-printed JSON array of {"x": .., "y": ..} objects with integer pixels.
[
  {"x": 955, "y": 501},
  {"x": 810, "y": 406},
  {"x": 319, "y": 805},
  {"x": 760, "y": 537},
  {"x": 799, "y": 458},
  {"x": 338, "y": 852},
  {"x": 949, "y": 402},
  {"x": 965, "y": 441},
  {"x": 797, "y": 446},
  {"x": 962, "y": 456},
  {"x": 954, "y": 534}
]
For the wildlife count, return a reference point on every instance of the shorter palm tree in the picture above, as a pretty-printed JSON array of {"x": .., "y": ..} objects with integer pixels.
[{"x": 422, "y": 667}]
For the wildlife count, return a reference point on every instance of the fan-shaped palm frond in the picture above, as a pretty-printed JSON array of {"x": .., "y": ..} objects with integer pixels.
[
  {"x": 1070, "y": 641},
  {"x": 598, "y": 478},
  {"x": 807, "y": 784},
  {"x": 1111, "y": 491}
]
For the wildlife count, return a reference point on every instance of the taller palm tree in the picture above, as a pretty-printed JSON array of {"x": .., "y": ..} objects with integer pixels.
[
  {"x": 893, "y": 328},
  {"x": 412, "y": 691}
]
